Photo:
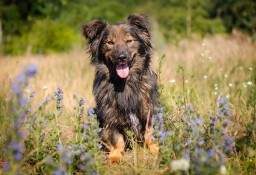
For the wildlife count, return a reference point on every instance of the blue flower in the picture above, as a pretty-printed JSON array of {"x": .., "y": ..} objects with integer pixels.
[
  {"x": 198, "y": 121},
  {"x": 223, "y": 108},
  {"x": 200, "y": 141},
  {"x": 16, "y": 89},
  {"x": 21, "y": 78},
  {"x": 17, "y": 156},
  {"x": 67, "y": 159},
  {"x": 189, "y": 141},
  {"x": 210, "y": 152},
  {"x": 17, "y": 147},
  {"x": 91, "y": 112},
  {"x": 22, "y": 101},
  {"x": 58, "y": 172},
  {"x": 153, "y": 137},
  {"x": 30, "y": 70},
  {"x": 6, "y": 166},
  {"x": 84, "y": 156},
  {"x": 21, "y": 134},
  {"x": 46, "y": 101},
  {"x": 229, "y": 141},
  {"x": 60, "y": 147},
  {"x": 81, "y": 102}
]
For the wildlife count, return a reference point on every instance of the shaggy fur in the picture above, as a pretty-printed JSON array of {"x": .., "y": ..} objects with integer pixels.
[{"x": 125, "y": 87}]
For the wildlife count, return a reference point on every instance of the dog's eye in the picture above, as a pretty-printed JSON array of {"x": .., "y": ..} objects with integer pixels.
[
  {"x": 129, "y": 41},
  {"x": 110, "y": 43}
]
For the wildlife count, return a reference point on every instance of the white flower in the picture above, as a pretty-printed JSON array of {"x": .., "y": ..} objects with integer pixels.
[
  {"x": 27, "y": 91},
  {"x": 227, "y": 96},
  {"x": 186, "y": 81},
  {"x": 223, "y": 169},
  {"x": 45, "y": 87},
  {"x": 205, "y": 76},
  {"x": 230, "y": 84},
  {"x": 180, "y": 164},
  {"x": 250, "y": 68},
  {"x": 216, "y": 88},
  {"x": 215, "y": 93},
  {"x": 172, "y": 81},
  {"x": 226, "y": 76},
  {"x": 215, "y": 85},
  {"x": 249, "y": 83}
]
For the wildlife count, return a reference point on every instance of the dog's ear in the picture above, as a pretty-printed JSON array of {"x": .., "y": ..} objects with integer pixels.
[
  {"x": 140, "y": 21},
  {"x": 93, "y": 29}
]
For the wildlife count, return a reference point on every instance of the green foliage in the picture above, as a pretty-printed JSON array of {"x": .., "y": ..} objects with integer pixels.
[
  {"x": 48, "y": 36},
  {"x": 235, "y": 14},
  {"x": 45, "y": 36},
  {"x": 21, "y": 20},
  {"x": 176, "y": 19}
]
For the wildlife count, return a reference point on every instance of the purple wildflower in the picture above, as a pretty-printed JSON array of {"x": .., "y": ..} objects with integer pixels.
[
  {"x": 59, "y": 97},
  {"x": 46, "y": 101},
  {"x": 21, "y": 134},
  {"x": 188, "y": 142},
  {"x": 81, "y": 102},
  {"x": 16, "y": 89},
  {"x": 200, "y": 141},
  {"x": 224, "y": 132},
  {"x": 223, "y": 108},
  {"x": 17, "y": 147},
  {"x": 58, "y": 172},
  {"x": 84, "y": 156},
  {"x": 17, "y": 156},
  {"x": 17, "y": 124},
  {"x": 6, "y": 166},
  {"x": 229, "y": 141},
  {"x": 21, "y": 78},
  {"x": 210, "y": 152},
  {"x": 153, "y": 137},
  {"x": 22, "y": 102},
  {"x": 198, "y": 121},
  {"x": 91, "y": 112},
  {"x": 159, "y": 126},
  {"x": 30, "y": 70}
]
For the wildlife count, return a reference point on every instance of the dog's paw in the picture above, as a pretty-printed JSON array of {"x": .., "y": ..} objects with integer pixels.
[
  {"x": 153, "y": 149},
  {"x": 115, "y": 156}
]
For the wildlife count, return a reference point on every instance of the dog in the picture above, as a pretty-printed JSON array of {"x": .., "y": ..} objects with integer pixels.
[{"x": 125, "y": 86}]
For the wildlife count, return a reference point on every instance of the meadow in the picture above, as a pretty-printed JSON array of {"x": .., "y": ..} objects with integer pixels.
[{"x": 205, "y": 122}]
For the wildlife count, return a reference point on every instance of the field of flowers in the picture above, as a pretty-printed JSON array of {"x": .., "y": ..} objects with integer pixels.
[{"x": 205, "y": 122}]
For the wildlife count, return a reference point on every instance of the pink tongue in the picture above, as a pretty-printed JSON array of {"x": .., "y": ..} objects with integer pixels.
[{"x": 122, "y": 71}]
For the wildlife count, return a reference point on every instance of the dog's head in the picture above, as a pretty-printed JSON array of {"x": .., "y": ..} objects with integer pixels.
[{"x": 119, "y": 46}]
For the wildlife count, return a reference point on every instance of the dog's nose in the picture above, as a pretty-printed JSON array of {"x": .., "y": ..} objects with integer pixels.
[{"x": 122, "y": 57}]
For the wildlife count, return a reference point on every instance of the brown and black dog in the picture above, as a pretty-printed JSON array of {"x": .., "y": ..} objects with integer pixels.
[{"x": 125, "y": 87}]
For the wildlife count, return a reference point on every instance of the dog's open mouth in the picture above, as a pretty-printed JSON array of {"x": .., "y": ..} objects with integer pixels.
[{"x": 122, "y": 70}]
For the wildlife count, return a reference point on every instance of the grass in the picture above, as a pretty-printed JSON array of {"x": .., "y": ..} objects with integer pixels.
[{"x": 207, "y": 120}]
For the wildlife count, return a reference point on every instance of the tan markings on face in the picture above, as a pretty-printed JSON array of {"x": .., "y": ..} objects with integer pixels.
[{"x": 119, "y": 39}]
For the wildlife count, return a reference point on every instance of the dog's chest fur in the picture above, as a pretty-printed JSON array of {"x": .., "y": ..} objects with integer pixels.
[{"x": 125, "y": 104}]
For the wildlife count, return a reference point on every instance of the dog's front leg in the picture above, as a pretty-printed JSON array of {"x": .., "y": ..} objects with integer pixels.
[
  {"x": 117, "y": 148},
  {"x": 152, "y": 146},
  {"x": 115, "y": 143}
]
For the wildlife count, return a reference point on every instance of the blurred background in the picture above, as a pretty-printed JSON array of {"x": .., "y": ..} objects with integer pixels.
[
  {"x": 52, "y": 26},
  {"x": 201, "y": 36}
]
